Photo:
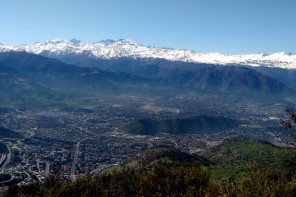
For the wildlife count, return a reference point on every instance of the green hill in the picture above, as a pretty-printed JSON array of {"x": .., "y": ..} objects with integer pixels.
[
  {"x": 160, "y": 155},
  {"x": 192, "y": 125},
  {"x": 249, "y": 150},
  {"x": 235, "y": 157}
]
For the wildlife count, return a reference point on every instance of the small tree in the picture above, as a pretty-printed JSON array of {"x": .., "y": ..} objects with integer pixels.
[{"x": 289, "y": 123}]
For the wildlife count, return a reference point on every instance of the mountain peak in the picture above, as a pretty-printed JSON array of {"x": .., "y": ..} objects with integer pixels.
[
  {"x": 75, "y": 41},
  {"x": 55, "y": 41},
  {"x": 128, "y": 42},
  {"x": 107, "y": 41}
]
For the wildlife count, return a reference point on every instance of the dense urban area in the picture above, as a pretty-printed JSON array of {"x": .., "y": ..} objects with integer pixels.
[{"x": 85, "y": 140}]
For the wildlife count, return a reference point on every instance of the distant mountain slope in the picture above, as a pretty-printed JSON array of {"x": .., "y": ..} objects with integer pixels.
[
  {"x": 197, "y": 124},
  {"x": 158, "y": 76},
  {"x": 108, "y": 49},
  {"x": 18, "y": 88},
  {"x": 10, "y": 80},
  {"x": 198, "y": 76},
  {"x": 235, "y": 79},
  {"x": 286, "y": 76},
  {"x": 58, "y": 75}
]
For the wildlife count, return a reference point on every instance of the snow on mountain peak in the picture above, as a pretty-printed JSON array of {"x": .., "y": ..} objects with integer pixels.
[
  {"x": 75, "y": 41},
  {"x": 53, "y": 41},
  {"x": 127, "y": 42},
  {"x": 107, "y": 41},
  {"x": 108, "y": 49}
]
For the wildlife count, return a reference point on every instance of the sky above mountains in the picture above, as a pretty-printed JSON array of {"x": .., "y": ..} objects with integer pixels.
[{"x": 227, "y": 26}]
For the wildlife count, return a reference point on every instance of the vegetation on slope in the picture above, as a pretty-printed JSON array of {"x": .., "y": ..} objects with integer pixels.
[
  {"x": 249, "y": 150},
  {"x": 161, "y": 155},
  {"x": 235, "y": 157}
]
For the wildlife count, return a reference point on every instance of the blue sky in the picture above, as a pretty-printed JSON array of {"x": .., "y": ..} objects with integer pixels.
[{"x": 228, "y": 26}]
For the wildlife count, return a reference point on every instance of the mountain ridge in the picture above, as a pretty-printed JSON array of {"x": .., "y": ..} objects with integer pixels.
[{"x": 110, "y": 49}]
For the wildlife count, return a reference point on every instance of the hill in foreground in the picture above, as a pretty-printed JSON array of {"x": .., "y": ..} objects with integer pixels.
[
  {"x": 231, "y": 160},
  {"x": 191, "y": 179},
  {"x": 161, "y": 155}
]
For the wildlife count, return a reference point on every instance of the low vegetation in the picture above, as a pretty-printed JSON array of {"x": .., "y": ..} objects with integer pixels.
[{"x": 184, "y": 180}]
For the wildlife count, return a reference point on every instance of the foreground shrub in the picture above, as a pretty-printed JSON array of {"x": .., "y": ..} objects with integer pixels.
[{"x": 185, "y": 180}]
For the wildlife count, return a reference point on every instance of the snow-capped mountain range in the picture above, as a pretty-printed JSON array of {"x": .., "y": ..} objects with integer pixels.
[{"x": 108, "y": 49}]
